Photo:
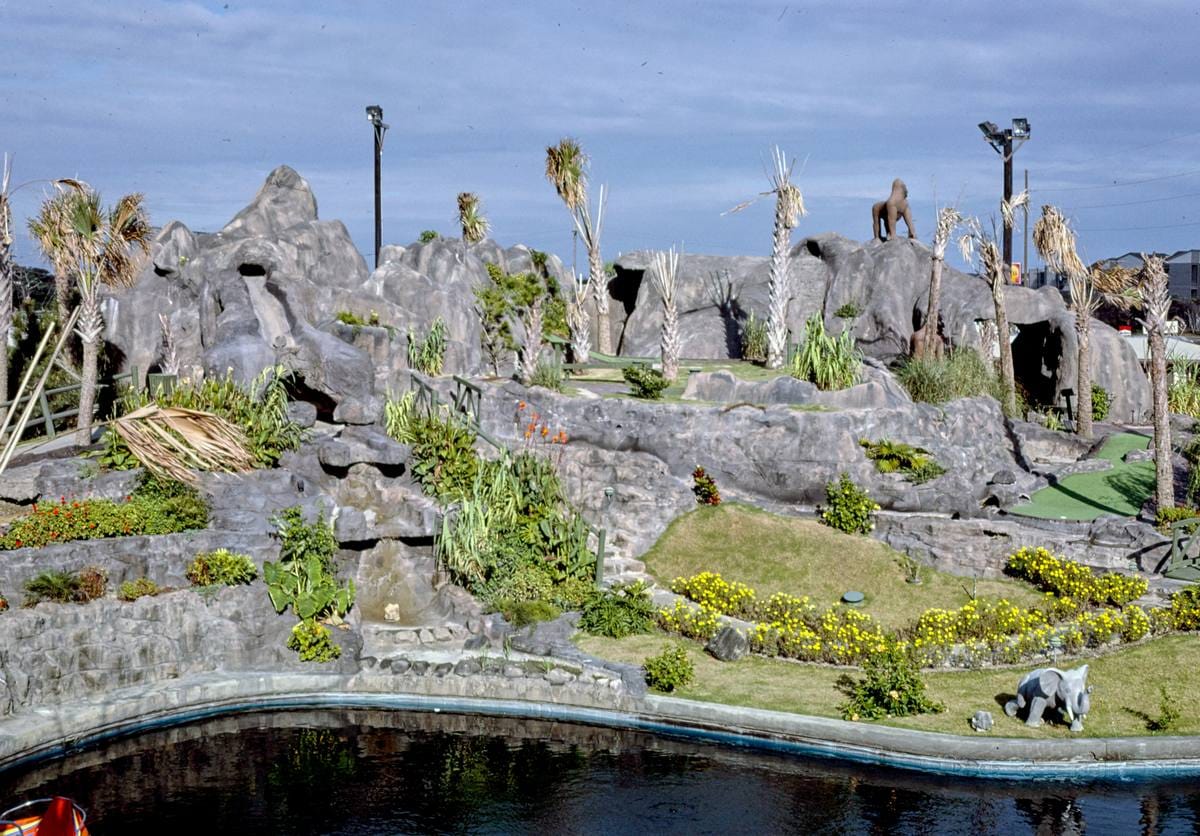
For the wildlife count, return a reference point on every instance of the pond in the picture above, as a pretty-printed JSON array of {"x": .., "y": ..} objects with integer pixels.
[{"x": 378, "y": 772}]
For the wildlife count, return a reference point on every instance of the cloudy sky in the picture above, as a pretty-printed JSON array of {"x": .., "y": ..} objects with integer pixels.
[{"x": 678, "y": 104}]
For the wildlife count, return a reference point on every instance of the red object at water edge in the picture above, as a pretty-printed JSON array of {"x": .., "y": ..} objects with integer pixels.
[{"x": 59, "y": 817}]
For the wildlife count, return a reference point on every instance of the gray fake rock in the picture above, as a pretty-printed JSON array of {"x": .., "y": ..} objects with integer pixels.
[
  {"x": 362, "y": 445},
  {"x": 729, "y": 644},
  {"x": 359, "y": 411},
  {"x": 302, "y": 414},
  {"x": 981, "y": 721},
  {"x": 877, "y": 389}
]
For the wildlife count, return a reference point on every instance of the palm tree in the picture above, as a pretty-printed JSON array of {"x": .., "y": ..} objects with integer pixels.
[
  {"x": 50, "y": 229},
  {"x": 566, "y": 168},
  {"x": 789, "y": 208},
  {"x": 6, "y": 278},
  {"x": 664, "y": 269},
  {"x": 98, "y": 245},
  {"x": 578, "y": 320},
  {"x": 1055, "y": 241},
  {"x": 948, "y": 218},
  {"x": 1155, "y": 292},
  {"x": 470, "y": 218}
]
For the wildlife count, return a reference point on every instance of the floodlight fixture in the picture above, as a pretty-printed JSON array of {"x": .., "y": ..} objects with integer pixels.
[{"x": 375, "y": 115}]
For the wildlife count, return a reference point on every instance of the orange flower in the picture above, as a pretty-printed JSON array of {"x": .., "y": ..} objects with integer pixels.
[
  {"x": 545, "y": 431},
  {"x": 528, "y": 433},
  {"x": 521, "y": 405}
]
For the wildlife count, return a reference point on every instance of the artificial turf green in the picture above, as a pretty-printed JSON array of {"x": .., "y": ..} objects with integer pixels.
[{"x": 1122, "y": 490}]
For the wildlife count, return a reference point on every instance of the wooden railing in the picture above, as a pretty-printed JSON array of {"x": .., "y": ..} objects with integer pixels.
[
  {"x": 46, "y": 418},
  {"x": 466, "y": 402}
]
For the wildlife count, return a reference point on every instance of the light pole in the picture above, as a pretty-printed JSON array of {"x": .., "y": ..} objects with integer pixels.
[
  {"x": 375, "y": 117},
  {"x": 1002, "y": 142}
]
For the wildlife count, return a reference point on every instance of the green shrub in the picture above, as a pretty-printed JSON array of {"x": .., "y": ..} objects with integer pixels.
[
  {"x": 61, "y": 587},
  {"x": 1068, "y": 579},
  {"x": 155, "y": 507},
  {"x": 526, "y": 582},
  {"x": 399, "y": 416},
  {"x": 303, "y": 578},
  {"x": 914, "y": 463},
  {"x": 1168, "y": 712},
  {"x": 509, "y": 296},
  {"x": 572, "y": 593},
  {"x": 705, "y": 488},
  {"x": 619, "y": 612},
  {"x": 848, "y": 507},
  {"x": 891, "y": 687},
  {"x": 645, "y": 382},
  {"x": 754, "y": 339},
  {"x": 427, "y": 354},
  {"x": 827, "y": 361},
  {"x": 259, "y": 410},
  {"x": 221, "y": 568},
  {"x": 1164, "y": 518},
  {"x": 1101, "y": 403},
  {"x": 961, "y": 373},
  {"x": 313, "y": 641},
  {"x": 1183, "y": 395},
  {"x": 429, "y": 235},
  {"x": 444, "y": 461},
  {"x": 548, "y": 376},
  {"x": 522, "y": 613},
  {"x": 351, "y": 318},
  {"x": 670, "y": 670},
  {"x": 850, "y": 310},
  {"x": 139, "y": 588}
]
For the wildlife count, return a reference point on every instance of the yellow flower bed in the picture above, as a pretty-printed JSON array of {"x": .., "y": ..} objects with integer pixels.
[{"x": 1068, "y": 579}]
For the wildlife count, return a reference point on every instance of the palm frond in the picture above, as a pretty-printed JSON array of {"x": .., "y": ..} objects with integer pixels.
[
  {"x": 566, "y": 169},
  {"x": 470, "y": 217},
  {"x": 176, "y": 443},
  {"x": 1008, "y": 208}
]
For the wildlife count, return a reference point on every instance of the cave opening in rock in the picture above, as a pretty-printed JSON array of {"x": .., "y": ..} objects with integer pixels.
[
  {"x": 248, "y": 269},
  {"x": 299, "y": 390},
  {"x": 1037, "y": 363}
]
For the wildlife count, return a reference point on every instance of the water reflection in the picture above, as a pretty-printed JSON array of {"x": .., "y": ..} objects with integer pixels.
[{"x": 366, "y": 772}]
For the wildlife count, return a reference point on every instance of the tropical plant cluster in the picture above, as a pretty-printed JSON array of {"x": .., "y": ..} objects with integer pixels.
[
  {"x": 509, "y": 297},
  {"x": 848, "y": 507},
  {"x": 66, "y": 586},
  {"x": 914, "y": 463},
  {"x": 221, "y": 568},
  {"x": 623, "y": 610},
  {"x": 827, "y": 361},
  {"x": 705, "y": 487},
  {"x": 1101, "y": 402},
  {"x": 155, "y": 507},
  {"x": 304, "y": 578},
  {"x": 259, "y": 410},
  {"x": 1080, "y": 610}
]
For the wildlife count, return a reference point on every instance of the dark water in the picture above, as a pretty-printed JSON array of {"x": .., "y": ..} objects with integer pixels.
[{"x": 367, "y": 772}]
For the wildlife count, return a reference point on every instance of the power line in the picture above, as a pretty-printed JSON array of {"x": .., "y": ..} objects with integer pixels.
[
  {"x": 1135, "y": 148},
  {"x": 1141, "y": 228},
  {"x": 1126, "y": 183},
  {"x": 1134, "y": 202}
]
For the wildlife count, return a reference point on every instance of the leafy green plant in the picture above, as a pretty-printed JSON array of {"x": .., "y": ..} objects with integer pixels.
[
  {"x": 670, "y": 670},
  {"x": 523, "y": 613},
  {"x": 754, "y": 339},
  {"x": 1101, "y": 403},
  {"x": 428, "y": 235},
  {"x": 428, "y": 354},
  {"x": 351, "y": 318},
  {"x": 827, "y": 361},
  {"x": 645, "y": 382},
  {"x": 259, "y": 410},
  {"x": 303, "y": 577},
  {"x": 891, "y": 687},
  {"x": 221, "y": 568},
  {"x": 623, "y": 610},
  {"x": 138, "y": 588},
  {"x": 444, "y": 461},
  {"x": 399, "y": 414},
  {"x": 1183, "y": 395},
  {"x": 850, "y": 310},
  {"x": 849, "y": 508},
  {"x": 313, "y": 641},
  {"x": 960, "y": 373},
  {"x": 61, "y": 587},
  {"x": 1168, "y": 712},
  {"x": 705, "y": 488},
  {"x": 1164, "y": 518},
  {"x": 914, "y": 463},
  {"x": 548, "y": 376}
]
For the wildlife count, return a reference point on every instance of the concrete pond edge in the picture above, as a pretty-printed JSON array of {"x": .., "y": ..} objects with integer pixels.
[{"x": 52, "y": 732}]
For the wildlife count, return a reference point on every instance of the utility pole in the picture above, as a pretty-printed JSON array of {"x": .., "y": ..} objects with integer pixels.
[
  {"x": 1002, "y": 142},
  {"x": 1025, "y": 255},
  {"x": 375, "y": 117}
]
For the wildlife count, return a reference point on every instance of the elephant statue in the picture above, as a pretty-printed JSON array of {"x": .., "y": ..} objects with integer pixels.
[
  {"x": 1044, "y": 688},
  {"x": 886, "y": 213}
]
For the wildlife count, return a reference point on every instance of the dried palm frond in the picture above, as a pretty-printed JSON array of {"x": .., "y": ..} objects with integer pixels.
[
  {"x": 470, "y": 217},
  {"x": 1118, "y": 285},
  {"x": 1008, "y": 208},
  {"x": 175, "y": 443},
  {"x": 1055, "y": 242},
  {"x": 948, "y": 219}
]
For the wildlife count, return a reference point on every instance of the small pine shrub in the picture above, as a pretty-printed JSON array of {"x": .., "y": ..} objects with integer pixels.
[
  {"x": 1101, "y": 403},
  {"x": 849, "y": 508},
  {"x": 827, "y": 361},
  {"x": 646, "y": 383},
  {"x": 619, "y": 612},
  {"x": 850, "y": 310},
  {"x": 670, "y": 670},
  {"x": 754, "y": 339},
  {"x": 891, "y": 687},
  {"x": 221, "y": 568},
  {"x": 139, "y": 588},
  {"x": 523, "y": 613},
  {"x": 313, "y": 641},
  {"x": 705, "y": 488},
  {"x": 429, "y": 235}
]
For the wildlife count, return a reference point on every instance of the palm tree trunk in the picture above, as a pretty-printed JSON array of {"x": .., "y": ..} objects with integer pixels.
[
  {"x": 62, "y": 295},
  {"x": 933, "y": 341},
  {"x": 1083, "y": 398},
  {"x": 91, "y": 325},
  {"x": 6, "y": 315},
  {"x": 777, "y": 291},
  {"x": 1164, "y": 470},
  {"x": 599, "y": 284},
  {"x": 579, "y": 325},
  {"x": 1007, "y": 377},
  {"x": 670, "y": 343}
]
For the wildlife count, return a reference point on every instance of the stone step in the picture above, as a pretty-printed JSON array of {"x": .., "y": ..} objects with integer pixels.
[
  {"x": 623, "y": 577},
  {"x": 382, "y": 639},
  {"x": 618, "y": 565}
]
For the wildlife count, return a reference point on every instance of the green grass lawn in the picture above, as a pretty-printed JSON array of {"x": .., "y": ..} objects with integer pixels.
[
  {"x": 802, "y": 557},
  {"x": 1126, "y": 682},
  {"x": 1085, "y": 496}
]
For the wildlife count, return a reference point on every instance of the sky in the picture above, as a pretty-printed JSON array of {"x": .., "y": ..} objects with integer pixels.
[{"x": 677, "y": 104}]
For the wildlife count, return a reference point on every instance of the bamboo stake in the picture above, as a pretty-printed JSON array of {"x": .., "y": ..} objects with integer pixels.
[{"x": 37, "y": 355}]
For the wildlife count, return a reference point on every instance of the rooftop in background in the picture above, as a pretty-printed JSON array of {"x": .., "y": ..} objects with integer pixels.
[{"x": 1183, "y": 272}]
